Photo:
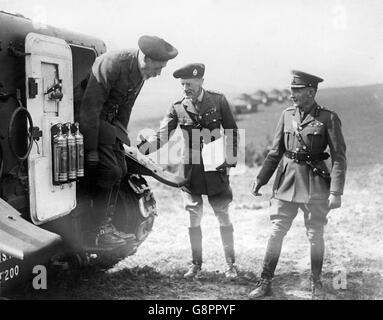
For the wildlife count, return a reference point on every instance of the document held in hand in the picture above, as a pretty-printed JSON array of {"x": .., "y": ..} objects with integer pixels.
[{"x": 213, "y": 154}]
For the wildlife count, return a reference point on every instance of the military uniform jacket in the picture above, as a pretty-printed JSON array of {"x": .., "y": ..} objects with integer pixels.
[
  {"x": 113, "y": 86},
  {"x": 214, "y": 113},
  {"x": 295, "y": 181}
]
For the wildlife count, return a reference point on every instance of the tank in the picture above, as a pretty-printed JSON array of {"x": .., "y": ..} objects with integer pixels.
[{"x": 43, "y": 218}]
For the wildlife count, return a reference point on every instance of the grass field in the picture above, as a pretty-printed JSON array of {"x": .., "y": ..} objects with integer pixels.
[{"x": 353, "y": 236}]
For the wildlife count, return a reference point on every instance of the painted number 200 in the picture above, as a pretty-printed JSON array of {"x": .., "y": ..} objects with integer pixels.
[{"x": 10, "y": 273}]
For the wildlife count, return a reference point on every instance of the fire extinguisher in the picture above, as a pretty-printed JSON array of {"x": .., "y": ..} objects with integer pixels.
[
  {"x": 56, "y": 157},
  {"x": 79, "y": 138},
  {"x": 62, "y": 145},
  {"x": 71, "y": 153}
]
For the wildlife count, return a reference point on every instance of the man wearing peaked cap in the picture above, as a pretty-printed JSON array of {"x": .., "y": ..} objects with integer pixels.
[
  {"x": 114, "y": 83},
  {"x": 303, "y": 180},
  {"x": 201, "y": 114},
  {"x": 304, "y": 80}
]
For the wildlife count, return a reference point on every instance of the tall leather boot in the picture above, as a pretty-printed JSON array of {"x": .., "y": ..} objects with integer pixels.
[
  {"x": 317, "y": 255},
  {"x": 105, "y": 236},
  {"x": 195, "y": 235},
  {"x": 228, "y": 248},
  {"x": 110, "y": 213}
]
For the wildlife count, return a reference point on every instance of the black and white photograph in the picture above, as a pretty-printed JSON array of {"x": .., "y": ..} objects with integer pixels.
[{"x": 205, "y": 152}]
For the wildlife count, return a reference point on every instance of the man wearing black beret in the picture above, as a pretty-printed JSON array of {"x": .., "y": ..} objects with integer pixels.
[
  {"x": 115, "y": 81},
  {"x": 201, "y": 114},
  {"x": 303, "y": 180}
]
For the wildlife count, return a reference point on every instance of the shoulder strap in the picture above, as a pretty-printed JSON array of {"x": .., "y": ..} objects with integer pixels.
[{"x": 299, "y": 136}]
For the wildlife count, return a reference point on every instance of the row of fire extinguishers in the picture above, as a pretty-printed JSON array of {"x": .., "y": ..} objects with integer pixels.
[{"x": 67, "y": 152}]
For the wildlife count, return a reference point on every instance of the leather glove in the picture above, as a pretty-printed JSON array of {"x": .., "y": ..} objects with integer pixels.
[
  {"x": 92, "y": 159},
  {"x": 143, "y": 146},
  {"x": 335, "y": 201},
  {"x": 255, "y": 188}
]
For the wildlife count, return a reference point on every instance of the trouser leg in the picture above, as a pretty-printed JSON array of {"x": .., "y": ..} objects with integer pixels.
[
  {"x": 281, "y": 223},
  {"x": 315, "y": 220},
  {"x": 110, "y": 170}
]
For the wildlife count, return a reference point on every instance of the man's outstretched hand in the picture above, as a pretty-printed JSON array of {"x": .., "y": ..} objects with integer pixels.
[{"x": 143, "y": 146}]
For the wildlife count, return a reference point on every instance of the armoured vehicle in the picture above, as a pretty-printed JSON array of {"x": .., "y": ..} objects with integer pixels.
[
  {"x": 275, "y": 95},
  {"x": 244, "y": 104},
  {"x": 45, "y": 203},
  {"x": 260, "y": 97}
]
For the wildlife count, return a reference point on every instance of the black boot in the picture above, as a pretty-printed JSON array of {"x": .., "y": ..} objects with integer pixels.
[
  {"x": 195, "y": 235},
  {"x": 262, "y": 289},
  {"x": 228, "y": 247},
  {"x": 273, "y": 252},
  {"x": 317, "y": 255},
  {"x": 105, "y": 231}
]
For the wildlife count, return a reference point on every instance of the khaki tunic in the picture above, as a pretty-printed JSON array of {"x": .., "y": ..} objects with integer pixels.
[
  {"x": 295, "y": 181},
  {"x": 214, "y": 113},
  {"x": 112, "y": 89}
]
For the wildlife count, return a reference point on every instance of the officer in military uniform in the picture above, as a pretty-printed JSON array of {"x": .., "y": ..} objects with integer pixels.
[
  {"x": 115, "y": 81},
  {"x": 303, "y": 180},
  {"x": 200, "y": 115}
]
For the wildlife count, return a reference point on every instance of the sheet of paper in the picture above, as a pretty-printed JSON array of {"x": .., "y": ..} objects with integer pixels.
[{"x": 213, "y": 154}]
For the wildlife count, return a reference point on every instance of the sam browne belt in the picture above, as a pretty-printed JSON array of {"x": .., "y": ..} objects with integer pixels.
[{"x": 306, "y": 156}]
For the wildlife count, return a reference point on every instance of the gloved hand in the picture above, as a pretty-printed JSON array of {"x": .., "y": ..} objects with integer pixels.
[
  {"x": 92, "y": 159},
  {"x": 335, "y": 201},
  {"x": 143, "y": 146},
  {"x": 255, "y": 188}
]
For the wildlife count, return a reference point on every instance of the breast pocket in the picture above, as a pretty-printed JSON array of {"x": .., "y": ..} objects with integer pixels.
[
  {"x": 315, "y": 138},
  {"x": 288, "y": 135},
  {"x": 211, "y": 119}
]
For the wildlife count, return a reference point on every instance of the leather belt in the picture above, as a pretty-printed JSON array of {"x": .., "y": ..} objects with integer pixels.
[{"x": 305, "y": 156}]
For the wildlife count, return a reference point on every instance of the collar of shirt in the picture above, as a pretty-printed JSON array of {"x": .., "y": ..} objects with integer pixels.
[{"x": 303, "y": 114}]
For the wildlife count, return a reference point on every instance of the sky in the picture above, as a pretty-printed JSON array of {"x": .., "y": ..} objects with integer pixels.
[{"x": 245, "y": 44}]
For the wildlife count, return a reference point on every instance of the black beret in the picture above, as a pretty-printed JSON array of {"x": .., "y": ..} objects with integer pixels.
[
  {"x": 156, "y": 48},
  {"x": 192, "y": 70},
  {"x": 303, "y": 80}
]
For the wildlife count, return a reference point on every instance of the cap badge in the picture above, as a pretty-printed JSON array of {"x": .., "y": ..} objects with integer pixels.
[{"x": 195, "y": 72}]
